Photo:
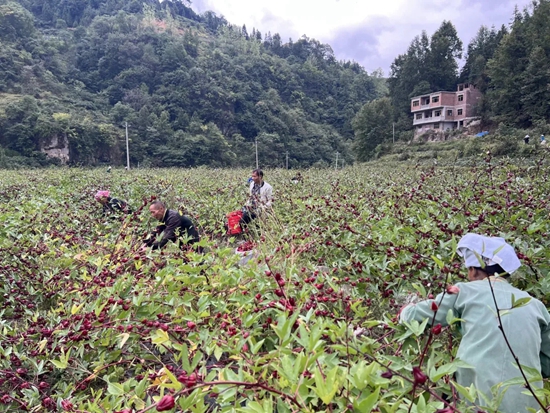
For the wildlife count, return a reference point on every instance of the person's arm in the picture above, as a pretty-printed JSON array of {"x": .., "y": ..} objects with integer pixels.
[
  {"x": 121, "y": 206},
  {"x": 425, "y": 309},
  {"x": 268, "y": 196},
  {"x": 171, "y": 225},
  {"x": 545, "y": 345},
  {"x": 151, "y": 238},
  {"x": 190, "y": 230}
]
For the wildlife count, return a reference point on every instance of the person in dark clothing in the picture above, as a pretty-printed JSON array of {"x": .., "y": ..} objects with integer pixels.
[
  {"x": 111, "y": 205},
  {"x": 173, "y": 226}
]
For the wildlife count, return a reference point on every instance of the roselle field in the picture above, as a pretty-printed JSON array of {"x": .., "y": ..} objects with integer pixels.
[{"x": 307, "y": 325}]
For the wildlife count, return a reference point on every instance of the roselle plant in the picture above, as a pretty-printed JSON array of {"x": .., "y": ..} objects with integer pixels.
[{"x": 308, "y": 325}]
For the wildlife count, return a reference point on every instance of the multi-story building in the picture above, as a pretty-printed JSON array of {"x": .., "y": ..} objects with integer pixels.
[{"x": 441, "y": 111}]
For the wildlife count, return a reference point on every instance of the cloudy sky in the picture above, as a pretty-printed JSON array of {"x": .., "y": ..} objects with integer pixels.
[{"x": 371, "y": 32}]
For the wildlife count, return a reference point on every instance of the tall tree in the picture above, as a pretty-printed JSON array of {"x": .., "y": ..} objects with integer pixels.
[
  {"x": 442, "y": 64},
  {"x": 372, "y": 126},
  {"x": 535, "y": 90},
  {"x": 480, "y": 50},
  {"x": 430, "y": 64}
]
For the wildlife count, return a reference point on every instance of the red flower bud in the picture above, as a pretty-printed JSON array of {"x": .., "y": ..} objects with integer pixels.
[
  {"x": 191, "y": 325},
  {"x": 387, "y": 374},
  {"x": 436, "y": 329},
  {"x": 5, "y": 399},
  {"x": 418, "y": 376},
  {"x": 434, "y": 306},
  {"x": 166, "y": 403},
  {"x": 67, "y": 405}
]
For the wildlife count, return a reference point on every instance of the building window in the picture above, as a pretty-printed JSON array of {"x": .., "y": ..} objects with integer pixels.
[
  {"x": 460, "y": 98},
  {"x": 435, "y": 99},
  {"x": 426, "y": 101},
  {"x": 460, "y": 87},
  {"x": 450, "y": 112},
  {"x": 416, "y": 103},
  {"x": 419, "y": 116},
  {"x": 437, "y": 113},
  {"x": 428, "y": 114},
  {"x": 459, "y": 112},
  {"x": 436, "y": 125}
]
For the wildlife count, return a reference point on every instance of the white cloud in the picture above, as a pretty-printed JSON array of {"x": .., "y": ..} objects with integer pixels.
[{"x": 370, "y": 32}]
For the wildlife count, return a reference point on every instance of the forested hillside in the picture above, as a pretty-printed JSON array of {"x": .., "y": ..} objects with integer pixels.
[
  {"x": 510, "y": 65},
  {"x": 194, "y": 89}
]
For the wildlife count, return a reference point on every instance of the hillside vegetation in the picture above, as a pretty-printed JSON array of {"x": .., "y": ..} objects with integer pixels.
[{"x": 194, "y": 90}]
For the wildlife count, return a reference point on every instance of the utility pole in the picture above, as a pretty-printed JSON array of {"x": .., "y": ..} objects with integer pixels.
[
  {"x": 286, "y": 159},
  {"x": 256, "y": 144},
  {"x": 336, "y": 166},
  {"x": 127, "y": 148}
]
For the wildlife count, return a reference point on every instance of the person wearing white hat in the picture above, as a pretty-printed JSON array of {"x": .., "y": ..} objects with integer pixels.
[{"x": 490, "y": 261}]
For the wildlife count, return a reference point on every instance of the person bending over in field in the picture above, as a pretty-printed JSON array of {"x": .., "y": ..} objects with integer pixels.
[
  {"x": 173, "y": 226},
  {"x": 111, "y": 205},
  {"x": 490, "y": 261},
  {"x": 259, "y": 200}
]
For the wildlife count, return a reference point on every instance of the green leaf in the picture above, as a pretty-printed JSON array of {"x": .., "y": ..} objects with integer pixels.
[
  {"x": 521, "y": 302},
  {"x": 159, "y": 337},
  {"x": 469, "y": 393},
  {"x": 327, "y": 387},
  {"x": 439, "y": 263},
  {"x": 443, "y": 370},
  {"x": 366, "y": 405},
  {"x": 116, "y": 389},
  {"x": 256, "y": 347}
]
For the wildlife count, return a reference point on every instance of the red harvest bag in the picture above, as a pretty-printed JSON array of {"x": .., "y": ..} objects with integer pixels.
[{"x": 233, "y": 222}]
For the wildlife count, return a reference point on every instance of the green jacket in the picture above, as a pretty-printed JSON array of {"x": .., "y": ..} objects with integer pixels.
[{"x": 483, "y": 346}]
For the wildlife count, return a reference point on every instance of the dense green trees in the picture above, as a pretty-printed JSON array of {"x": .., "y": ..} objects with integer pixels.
[
  {"x": 373, "y": 125},
  {"x": 519, "y": 72},
  {"x": 510, "y": 66},
  {"x": 195, "y": 90},
  {"x": 430, "y": 64}
]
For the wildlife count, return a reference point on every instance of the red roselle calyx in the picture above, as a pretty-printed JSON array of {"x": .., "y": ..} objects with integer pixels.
[
  {"x": 418, "y": 376},
  {"x": 436, "y": 329},
  {"x": 387, "y": 374},
  {"x": 166, "y": 403},
  {"x": 434, "y": 306}
]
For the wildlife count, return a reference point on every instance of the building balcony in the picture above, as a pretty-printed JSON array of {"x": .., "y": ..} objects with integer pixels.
[
  {"x": 433, "y": 119},
  {"x": 429, "y": 106}
]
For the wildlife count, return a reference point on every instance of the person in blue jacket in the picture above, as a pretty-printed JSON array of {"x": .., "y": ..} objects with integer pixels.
[{"x": 490, "y": 261}]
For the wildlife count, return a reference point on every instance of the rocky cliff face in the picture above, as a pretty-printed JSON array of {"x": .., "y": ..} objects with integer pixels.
[{"x": 57, "y": 147}]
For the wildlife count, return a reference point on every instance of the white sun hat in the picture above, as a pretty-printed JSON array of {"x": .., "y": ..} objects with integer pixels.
[{"x": 479, "y": 251}]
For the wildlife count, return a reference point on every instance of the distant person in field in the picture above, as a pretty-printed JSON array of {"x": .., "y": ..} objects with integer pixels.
[
  {"x": 526, "y": 139},
  {"x": 260, "y": 198},
  {"x": 298, "y": 178},
  {"x": 490, "y": 261},
  {"x": 111, "y": 205},
  {"x": 173, "y": 226},
  {"x": 542, "y": 140}
]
